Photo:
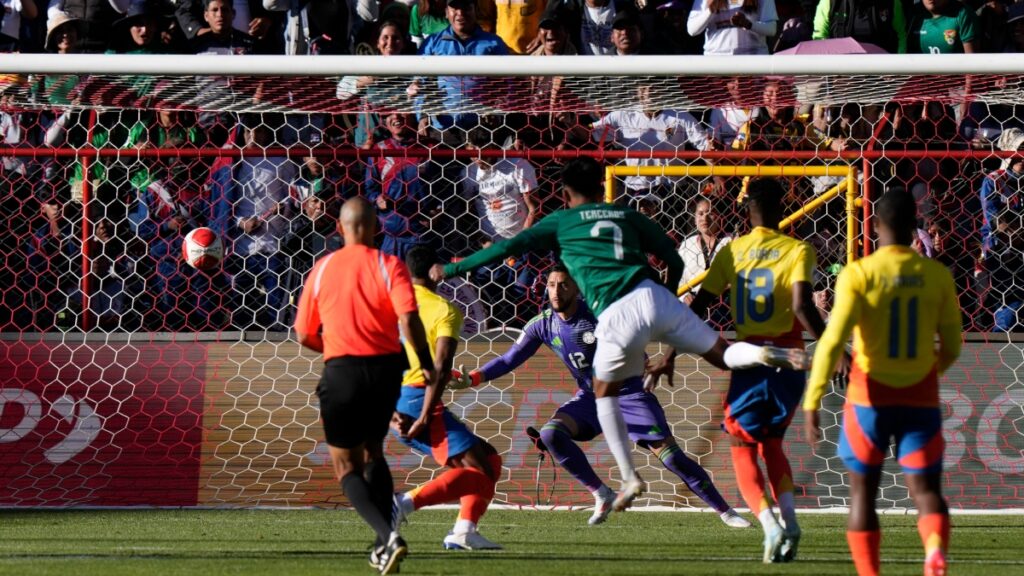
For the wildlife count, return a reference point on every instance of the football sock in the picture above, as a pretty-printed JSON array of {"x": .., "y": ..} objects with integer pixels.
[
  {"x": 464, "y": 526},
  {"x": 934, "y": 531},
  {"x": 694, "y": 475},
  {"x": 382, "y": 486},
  {"x": 613, "y": 425},
  {"x": 864, "y": 547},
  {"x": 780, "y": 476},
  {"x": 473, "y": 506},
  {"x": 450, "y": 486},
  {"x": 569, "y": 455},
  {"x": 359, "y": 493},
  {"x": 750, "y": 478},
  {"x": 741, "y": 355}
]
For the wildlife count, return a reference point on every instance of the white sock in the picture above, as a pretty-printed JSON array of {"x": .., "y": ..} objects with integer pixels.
[
  {"x": 787, "y": 508},
  {"x": 740, "y": 355},
  {"x": 464, "y": 526},
  {"x": 613, "y": 425},
  {"x": 767, "y": 518},
  {"x": 406, "y": 503}
]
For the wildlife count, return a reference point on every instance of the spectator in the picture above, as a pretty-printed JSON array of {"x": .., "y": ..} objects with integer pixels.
[
  {"x": 1015, "y": 20},
  {"x": 774, "y": 125},
  {"x": 647, "y": 128},
  {"x": 589, "y": 23},
  {"x": 222, "y": 38},
  {"x": 942, "y": 27},
  {"x": 262, "y": 217},
  {"x": 14, "y": 11},
  {"x": 879, "y": 22},
  {"x": 517, "y": 22},
  {"x": 700, "y": 248},
  {"x": 428, "y": 17},
  {"x": 669, "y": 35},
  {"x": 97, "y": 20},
  {"x": 1001, "y": 190},
  {"x": 554, "y": 39},
  {"x": 246, "y": 16},
  {"x": 462, "y": 37},
  {"x": 503, "y": 189},
  {"x": 1005, "y": 267},
  {"x": 728, "y": 120},
  {"x": 139, "y": 31},
  {"x": 64, "y": 33},
  {"x": 54, "y": 264},
  {"x": 115, "y": 289},
  {"x": 627, "y": 37},
  {"x": 733, "y": 26},
  {"x": 397, "y": 184},
  {"x": 993, "y": 30},
  {"x": 378, "y": 95},
  {"x": 312, "y": 26}
]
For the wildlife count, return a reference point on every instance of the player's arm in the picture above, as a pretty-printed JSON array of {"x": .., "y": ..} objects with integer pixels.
[
  {"x": 658, "y": 243},
  {"x": 403, "y": 299},
  {"x": 845, "y": 313},
  {"x": 541, "y": 236},
  {"x": 803, "y": 303},
  {"x": 307, "y": 317},
  {"x": 523, "y": 349},
  {"x": 950, "y": 323},
  {"x": 444, "y": 357}
]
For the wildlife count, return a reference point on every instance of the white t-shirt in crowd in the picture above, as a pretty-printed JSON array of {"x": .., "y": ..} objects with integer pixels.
[
  {"x": 722, "y": 38},
  {"x": 727, "y": 121},
  {"x": 635, "y": 130},
  {"x": 596, "y": 30},
  {"x": 697, "y": 257},
  {"x": 12, "y": 18},
  {"x": 498, "y": 190}
]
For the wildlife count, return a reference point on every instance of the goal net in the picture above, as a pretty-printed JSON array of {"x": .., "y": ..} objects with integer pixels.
[{"x": 131, "y": 379}]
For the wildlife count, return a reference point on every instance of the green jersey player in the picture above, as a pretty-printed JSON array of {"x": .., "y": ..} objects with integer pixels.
[{"x": 605, "y": 248}]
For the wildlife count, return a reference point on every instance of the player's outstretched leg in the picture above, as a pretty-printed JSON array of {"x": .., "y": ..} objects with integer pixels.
[
  {"x": 557, "y": 436},
  {"x": 698, "y": 480},
  {"x": 780, "y": 477}
]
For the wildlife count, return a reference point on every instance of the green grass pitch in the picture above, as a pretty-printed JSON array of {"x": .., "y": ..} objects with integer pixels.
[{"x": 299, "y": 542}]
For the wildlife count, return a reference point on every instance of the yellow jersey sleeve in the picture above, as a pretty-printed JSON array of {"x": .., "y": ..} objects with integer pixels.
[
  {"x": 450, "y": 324},
  {"x": 805, "y": 260},
  {"x": 720, "y": 272},
  {"x": 846, "y": 312}
]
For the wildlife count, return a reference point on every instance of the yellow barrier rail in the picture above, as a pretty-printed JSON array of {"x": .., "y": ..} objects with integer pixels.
[{"x": 847, "y": 186}]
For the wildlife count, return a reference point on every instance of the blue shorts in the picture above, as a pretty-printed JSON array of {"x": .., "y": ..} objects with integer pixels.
[
  {"x": 445, "y": 438},
  {"x": 761, "y": 402},
  {"x": 645, "y": 419},
  {"x": 917, "y": 433}
]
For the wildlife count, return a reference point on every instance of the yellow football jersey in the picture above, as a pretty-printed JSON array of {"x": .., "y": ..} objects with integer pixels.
[
  {"x": 762, "y": 268},
  {"x": 895, "y": 302},
  {"x": 440, "y": 319}
]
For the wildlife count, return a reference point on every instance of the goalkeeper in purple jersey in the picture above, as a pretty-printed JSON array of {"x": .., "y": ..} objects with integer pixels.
[
  {"x": 605, "y": 248},
  {"x": 568, "y": 329}
]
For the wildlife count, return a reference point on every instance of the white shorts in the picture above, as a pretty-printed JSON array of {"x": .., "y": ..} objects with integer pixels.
[{"x": 650, "y": 312}]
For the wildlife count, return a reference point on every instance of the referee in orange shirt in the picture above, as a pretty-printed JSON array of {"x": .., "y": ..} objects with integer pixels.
[{"x": 352, "y": 305}]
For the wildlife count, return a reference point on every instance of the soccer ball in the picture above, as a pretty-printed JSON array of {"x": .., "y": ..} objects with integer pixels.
[{"x": 202, "y": 249}]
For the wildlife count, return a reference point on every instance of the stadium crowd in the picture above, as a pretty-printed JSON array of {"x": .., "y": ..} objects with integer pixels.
[{"x": 277, "y": 214}]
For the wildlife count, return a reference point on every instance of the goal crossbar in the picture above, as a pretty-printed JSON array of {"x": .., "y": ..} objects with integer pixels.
[{"x": 848, "y": 185}]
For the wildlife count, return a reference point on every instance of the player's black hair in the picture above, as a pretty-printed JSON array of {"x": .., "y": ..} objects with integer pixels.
[
  {"x": 419, "y": 259},
  {"x": 228, "y": 3},
  {"x": 584, "y": 176},
  {"x": 766, "y": 194},
  {"x": 558, "y": 267},
  {"x": 897, "y": 209}
]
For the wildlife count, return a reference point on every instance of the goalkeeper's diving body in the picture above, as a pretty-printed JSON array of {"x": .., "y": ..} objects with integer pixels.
[
  {"x": 604, "y": 247},
  {"x": 567, "y": 328}
]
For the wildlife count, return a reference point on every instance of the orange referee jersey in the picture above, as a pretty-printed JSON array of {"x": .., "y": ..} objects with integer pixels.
[{"x": 351, "y": 302}]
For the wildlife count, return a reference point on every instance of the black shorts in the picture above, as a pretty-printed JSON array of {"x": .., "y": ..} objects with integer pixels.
[{"x": 358, "y": 395}]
